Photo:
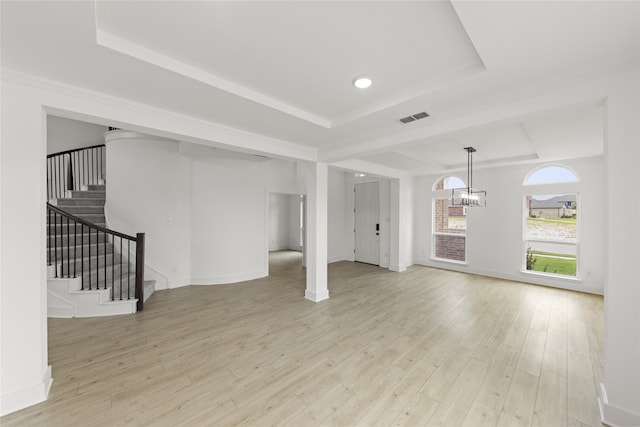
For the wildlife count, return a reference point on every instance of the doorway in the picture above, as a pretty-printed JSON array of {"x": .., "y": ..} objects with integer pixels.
[
  {"x": 285, "y": 224},
  {"x": 367, "y": 223}
]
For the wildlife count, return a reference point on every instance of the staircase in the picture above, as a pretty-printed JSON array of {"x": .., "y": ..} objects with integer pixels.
[{"x": 91, "y": 270}]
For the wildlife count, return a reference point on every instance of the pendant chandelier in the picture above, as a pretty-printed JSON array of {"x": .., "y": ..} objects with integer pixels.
[{"x": 469, "y": 196}]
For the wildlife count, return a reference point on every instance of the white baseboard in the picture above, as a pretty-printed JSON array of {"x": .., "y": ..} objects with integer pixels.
[
  {"x": 178, "y": 283},
  {"x": 316, "y": 297},
  {"x": 336, "y": 259},
  {"x": 223, "y": 280},
  {"x": 613, "y": 416},
  {"x": 26, "y": 397},
  {"x": 554, "y": 282},
  {"x": 397, "y": 267}
]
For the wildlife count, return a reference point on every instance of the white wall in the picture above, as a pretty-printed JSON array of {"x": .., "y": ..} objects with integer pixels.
[
  {"x": 149, "y": 191},
  {"x": 279, "y": 221},
  {"x": 495, "y": 233},
  {"x": 229, "y": 210},
  {"x": 338, "y": 210},
  {"x": 25, "y": 377},
  {"x": 294, "y": 222},
  {"x": 65, "y": 134},
  {"x": 621, "y": 389}
]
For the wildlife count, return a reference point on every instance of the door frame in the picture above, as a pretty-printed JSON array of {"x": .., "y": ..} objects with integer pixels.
[{"x": 266, "y": 226}]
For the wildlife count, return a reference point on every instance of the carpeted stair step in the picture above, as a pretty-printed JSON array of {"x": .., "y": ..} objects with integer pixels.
[
  {"x": 62, "y": 203},
  {"x": 88, "y": 194},
  {"x": 83, "y": 209},
  {"x": 78, "y": 250},
  {"x": 65, "y": 240},
  {"x": 113, "y": 273},
  {"x": 61, "y": 229},
  {"x": 94, "y": 187},
  {"x": 82, "y": 264},
  {"x": 93, "y": 218}
]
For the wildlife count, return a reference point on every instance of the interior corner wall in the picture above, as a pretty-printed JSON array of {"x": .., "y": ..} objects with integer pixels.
[
  {"x": 385, "y": 220},
  {"x": 148, "y": 187},
  {"x": 294, "y": 223},
  {"x": 66, "y": 134},
  {"x": 495, "y": 233},
  {"x": 279, "y": 219},
  {"x": 620, "y": 391},
  {"x": 337, "y": 216},
  {"x": 407, "y": 210},
  {"x": 229, "y": 232},
  {"x": 24, "y": 372}
]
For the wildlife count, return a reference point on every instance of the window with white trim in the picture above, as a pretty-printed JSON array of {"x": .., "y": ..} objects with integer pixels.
[
  {"x": 551, "y": 223},
  {"x": 449, "y": 223}
]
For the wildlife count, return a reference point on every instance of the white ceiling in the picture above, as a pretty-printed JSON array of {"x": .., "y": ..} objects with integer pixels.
[{"x": 283, "y": 70}]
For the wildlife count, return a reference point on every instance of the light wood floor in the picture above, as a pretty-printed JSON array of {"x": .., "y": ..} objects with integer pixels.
[{"x": 423, "y": 347}]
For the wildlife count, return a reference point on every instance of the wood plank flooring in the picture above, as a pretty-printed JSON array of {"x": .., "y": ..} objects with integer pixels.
[{"x": 422, "y": 347}]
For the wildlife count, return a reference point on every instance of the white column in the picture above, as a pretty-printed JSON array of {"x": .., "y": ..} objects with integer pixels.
[
  {"x": 25, "y": 377},
  {"x": 620, "y": 393},
  {"x": 316, "y": 243}
]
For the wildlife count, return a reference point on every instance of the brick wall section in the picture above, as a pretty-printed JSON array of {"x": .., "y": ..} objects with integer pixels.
[
  {"x": 456, "y": 211},
  {"x": 450, "y": 247},
  {"x": 442, "y": 217}
]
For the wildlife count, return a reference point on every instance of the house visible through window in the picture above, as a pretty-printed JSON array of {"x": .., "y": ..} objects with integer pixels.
[
  {"x": 450, "y": 223},
  {"x": 550, "y": 225}
]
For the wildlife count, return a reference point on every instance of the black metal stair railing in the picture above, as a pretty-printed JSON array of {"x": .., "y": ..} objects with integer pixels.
[
  {"x": 71, "y": 169},
  {"x": 101, "y": 257}
]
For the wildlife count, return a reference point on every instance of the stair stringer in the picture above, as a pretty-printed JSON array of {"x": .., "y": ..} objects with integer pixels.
[{"x": 63, "y": 299}]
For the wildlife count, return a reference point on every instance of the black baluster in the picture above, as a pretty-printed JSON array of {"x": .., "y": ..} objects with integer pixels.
[
  {"x": 113, "y": 266},
  {"x": 128, "y": 269},
  {"x": 121, "y": 269},
  {"x": 82, "y": 255},
  {"x": 68, "y": 250},
  {"x": 49, "y": 227},
  {"x": 97, "y": 258},
  {"x": 61, "y": 182},
  {"x": 89, "y": 259},
  {"x": 57, "y": 176},
  {"x": 55, "y": 242},
  {"x": 62, "y": 247},
  {"x": 75, "y": 248}
]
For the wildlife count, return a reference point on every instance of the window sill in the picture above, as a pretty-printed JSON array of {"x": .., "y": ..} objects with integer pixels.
[
  {"x": 552, "y": 276},
  {"x": 449, "y": 261}
]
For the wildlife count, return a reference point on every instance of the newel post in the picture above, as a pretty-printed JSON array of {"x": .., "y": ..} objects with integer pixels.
[{"x": 140, "y": 271}]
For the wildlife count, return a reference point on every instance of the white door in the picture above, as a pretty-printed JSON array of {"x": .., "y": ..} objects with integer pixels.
[{"x": 367, "y": 223}]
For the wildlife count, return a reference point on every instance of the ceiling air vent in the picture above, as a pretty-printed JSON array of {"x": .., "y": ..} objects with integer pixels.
[{"x": 414, "y": 117}]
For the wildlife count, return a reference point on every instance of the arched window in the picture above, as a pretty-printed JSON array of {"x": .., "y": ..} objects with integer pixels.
[
  {"x": 550, "y": 175},
  {"x": 551, "y": 222},
  {"x": 449, "y": 222},
  {"x": 448, "y": 183}
]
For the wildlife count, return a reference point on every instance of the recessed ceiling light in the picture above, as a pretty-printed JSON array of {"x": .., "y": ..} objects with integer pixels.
[{"x": 362, "y": 82}]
